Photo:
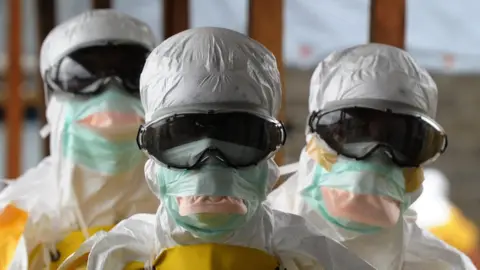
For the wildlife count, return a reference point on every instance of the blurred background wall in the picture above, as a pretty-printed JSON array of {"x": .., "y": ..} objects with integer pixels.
[{"x": 442, "y": 35}]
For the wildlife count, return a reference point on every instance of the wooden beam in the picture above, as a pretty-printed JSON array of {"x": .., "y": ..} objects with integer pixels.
[
  {"x": 387, "y": 22},
  {"x": 176, "y": 17},
  {"x": 266, "y": 26},
  {"x": 98, "y": 4},
  {"x": 45, "y": 23},
  {"x": 14, "y": 108}
]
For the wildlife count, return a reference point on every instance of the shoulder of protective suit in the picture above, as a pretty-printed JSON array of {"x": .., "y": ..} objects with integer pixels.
[
  {"x": 94, "y": 26},
  {"x": 285, "y": 196},
  {"x": 130, "y": 235},
  {"x": 372, "y": 71},
  {"x": 147, "y": 219},
  {"x": 421, "y": 245}
]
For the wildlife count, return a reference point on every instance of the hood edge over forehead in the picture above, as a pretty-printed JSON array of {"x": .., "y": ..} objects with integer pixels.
[
  {"x": 365, "y": 71},
  {"x": 93, "y": 27},
  {"x": 185, "y": 67}
]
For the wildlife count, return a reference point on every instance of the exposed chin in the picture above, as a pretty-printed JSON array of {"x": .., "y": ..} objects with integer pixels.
[{"x": 189, "y": 205}]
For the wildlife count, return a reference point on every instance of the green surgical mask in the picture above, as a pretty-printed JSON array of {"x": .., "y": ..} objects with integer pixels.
[
  {"x": 249, "y": 184},
  {"x": 356, "y": 178},
  {"x": 88, "y": 148}
]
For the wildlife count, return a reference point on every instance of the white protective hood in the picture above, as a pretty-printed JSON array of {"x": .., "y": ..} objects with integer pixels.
[
  {"x": 234, "y": 70},
  {"x": 374, "y": 76},
  {"x": 93, "y": 27},
  {"x": 201, "y": 69},
  {"x": 58, "y": 195},
  {"x": 75, "y": 183},
  {"x": 374, "y": 72},
  {"x": 235, "y": 73}
]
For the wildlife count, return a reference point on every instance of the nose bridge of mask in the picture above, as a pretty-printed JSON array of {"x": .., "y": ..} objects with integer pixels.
[
  {"x": 188, "y": 152},
  {"x": 325, "y": 158},
  {"x": 196, "y": 147},
  {"x": 249, "y": 184},
  {"x": 192, "y": 151},
  {"x": 100, "y": 151},
  {"x": 215, "y": 180},
  {"x": 112, "y": 100}
]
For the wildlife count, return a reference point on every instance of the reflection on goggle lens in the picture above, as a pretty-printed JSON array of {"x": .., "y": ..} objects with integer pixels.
[
  {"x": 410, "y": 140},
  {"x": 87, "y": 70},
  {"x": 186, "y": 141}
]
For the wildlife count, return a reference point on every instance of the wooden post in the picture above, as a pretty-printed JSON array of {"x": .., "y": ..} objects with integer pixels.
[
  {"x": 175, "y": 17},
  {"x": 266, "y": 26},
  {"x": 97, "y": 4},
  {"x": 45, "y": 23},
  {"x": 14, "y": 108},
  {"x": 387, "y": 22}
]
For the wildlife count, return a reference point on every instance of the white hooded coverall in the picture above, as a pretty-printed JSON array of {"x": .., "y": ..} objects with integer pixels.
[
  {"x": 63, "y": 199},
  {"x": 437, "y": 214},
  {"x": 205, "y": 68},
  {"x": 382, "y": 73}
]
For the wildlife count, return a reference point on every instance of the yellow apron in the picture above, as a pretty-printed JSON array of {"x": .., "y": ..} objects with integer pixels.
[
  {"x": 458, "y": 232},
  {"x": 67, "y": 246},
  {"x": 202, "y": 257},
  {"x": 211, "y": 257},
  {"x": 12, "y": 226}
]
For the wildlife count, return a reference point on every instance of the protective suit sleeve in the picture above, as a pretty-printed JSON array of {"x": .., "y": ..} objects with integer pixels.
[
  {"x": 92, "y": 27},
  {"x": 127, "y": 242}
]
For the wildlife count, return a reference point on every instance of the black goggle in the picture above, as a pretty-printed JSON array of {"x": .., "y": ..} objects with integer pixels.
[
  {"x": 410, "y": 140},
  {"x": 187, "y": 141},
  {"x": 86, "y": 71}
]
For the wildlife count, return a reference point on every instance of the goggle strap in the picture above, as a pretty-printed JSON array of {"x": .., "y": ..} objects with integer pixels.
[{"x": 139, "y": 139}]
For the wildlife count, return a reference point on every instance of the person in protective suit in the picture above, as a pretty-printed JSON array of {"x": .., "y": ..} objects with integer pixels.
[
  {"x": 210, "y": 97},
  {"x": 437, "y": 214},
  {"x": 371, "y": 128},
  {"x": 94, "y": 176}
]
